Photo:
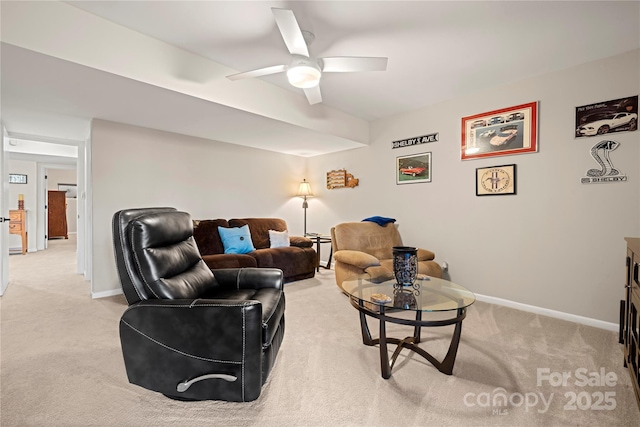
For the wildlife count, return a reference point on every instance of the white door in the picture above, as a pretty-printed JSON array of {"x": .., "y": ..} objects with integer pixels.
[{"x": 4, "y": 214}]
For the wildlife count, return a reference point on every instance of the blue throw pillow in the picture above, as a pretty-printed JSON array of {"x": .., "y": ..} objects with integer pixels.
[{"x": 236, "y": 240}]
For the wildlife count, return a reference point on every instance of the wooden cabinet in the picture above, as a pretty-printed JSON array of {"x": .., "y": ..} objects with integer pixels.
[
  {"x": 57, "y": 214},
  {"x": 630, "y": 315},
  {"x": 18, "y": 225}
]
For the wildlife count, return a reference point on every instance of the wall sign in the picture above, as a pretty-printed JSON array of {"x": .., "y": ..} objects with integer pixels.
[
  {"x": 607, "y": 172},
  {"x": 15, "y": 178},
  {"x": 432, "y": 137}
]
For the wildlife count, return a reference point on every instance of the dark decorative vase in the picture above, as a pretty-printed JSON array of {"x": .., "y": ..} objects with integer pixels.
[{"x": 405, "y": 264}]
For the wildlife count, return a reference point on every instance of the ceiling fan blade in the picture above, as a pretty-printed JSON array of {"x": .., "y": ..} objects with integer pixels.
[
  {"x": 259, "y": 72},
  {"x": 290, "y": 30},
  {"x": 313, "y": 94},
  {"x": 346, "y": 64}
]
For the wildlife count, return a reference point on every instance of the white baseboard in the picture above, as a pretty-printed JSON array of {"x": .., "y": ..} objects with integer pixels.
[
  {"x": 551, "y": 313},
  {"x": 105, "y": 294},
  {"x": 492, "y": 300}
]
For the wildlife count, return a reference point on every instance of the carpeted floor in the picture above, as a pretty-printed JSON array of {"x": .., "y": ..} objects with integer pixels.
[{"x": 61, "y": 365}]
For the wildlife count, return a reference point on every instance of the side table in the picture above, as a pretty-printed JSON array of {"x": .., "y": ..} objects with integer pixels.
[
  {"x": 18, "y": 225},
  {"x": 319, "y": 239}
]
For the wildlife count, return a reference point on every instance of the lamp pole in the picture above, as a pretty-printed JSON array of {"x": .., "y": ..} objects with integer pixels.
[
  {"x": 305, "y": 192},
  {"x": 305, "y": 205}
]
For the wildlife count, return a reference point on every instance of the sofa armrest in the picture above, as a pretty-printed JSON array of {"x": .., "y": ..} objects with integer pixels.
[
  {"x": 425, "y": 255},
  {"x": 356, "y": 258},
  {"x": 300, "y": 242},
  {"x": 249, "y": 278}
]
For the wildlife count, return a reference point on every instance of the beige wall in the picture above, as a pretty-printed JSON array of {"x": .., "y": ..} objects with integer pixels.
[
  {"x": 137, "y": 167},
  {"x": 558, "y": 244}
]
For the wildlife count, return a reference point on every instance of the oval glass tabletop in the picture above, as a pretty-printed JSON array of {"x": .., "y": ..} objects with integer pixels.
[{"x": 427, "y": 294}]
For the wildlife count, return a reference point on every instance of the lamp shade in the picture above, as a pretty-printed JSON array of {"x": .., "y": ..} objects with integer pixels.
[{"x": 304, "y": 190}]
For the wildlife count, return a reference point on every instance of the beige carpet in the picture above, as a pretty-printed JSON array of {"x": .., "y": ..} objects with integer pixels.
[{"x": 61, "y": 365}]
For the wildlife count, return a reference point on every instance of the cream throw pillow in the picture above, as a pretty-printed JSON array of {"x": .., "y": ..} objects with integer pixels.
[{"x": 279, "y": 239}]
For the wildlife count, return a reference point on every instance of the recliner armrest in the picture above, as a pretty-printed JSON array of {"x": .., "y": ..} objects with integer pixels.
[
  {"x": 193, "y": 327},
  {"x": 249, "y": 278},
  {"x": 425, "y": 255},
  {"x": 356, "y": 258}
]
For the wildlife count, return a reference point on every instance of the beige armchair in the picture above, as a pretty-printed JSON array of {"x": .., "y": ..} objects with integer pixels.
[{"x": 365, "y": 249}]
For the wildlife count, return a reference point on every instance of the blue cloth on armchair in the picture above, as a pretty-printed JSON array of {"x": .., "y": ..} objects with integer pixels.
[{"x": 380, "y": 220}]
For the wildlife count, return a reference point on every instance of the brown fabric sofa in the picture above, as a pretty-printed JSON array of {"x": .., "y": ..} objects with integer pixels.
[
  {"x": 365, "y": 249},
  {"x": 297, "y": 261}
]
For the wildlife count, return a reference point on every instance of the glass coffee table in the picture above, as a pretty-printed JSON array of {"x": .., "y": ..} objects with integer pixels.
[{"x": 388, "y": 301}]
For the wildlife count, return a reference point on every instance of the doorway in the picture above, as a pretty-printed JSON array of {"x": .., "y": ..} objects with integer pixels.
[{"x": 61, "y": 171}]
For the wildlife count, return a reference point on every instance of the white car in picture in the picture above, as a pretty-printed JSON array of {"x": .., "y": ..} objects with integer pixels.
[
  {"x": 602, "y": 123},
  {"x": 504, "y": 138},
  {"x": 488, "y": 133}
]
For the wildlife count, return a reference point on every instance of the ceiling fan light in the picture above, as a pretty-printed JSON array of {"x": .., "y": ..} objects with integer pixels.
[{"x": 304, "y": 76}]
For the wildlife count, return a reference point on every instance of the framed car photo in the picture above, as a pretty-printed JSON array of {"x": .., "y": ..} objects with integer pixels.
[
  {"x": 413, "y": 168},
  {"x": 496, "y": 180},
  {"x": 503, "y": 132}
]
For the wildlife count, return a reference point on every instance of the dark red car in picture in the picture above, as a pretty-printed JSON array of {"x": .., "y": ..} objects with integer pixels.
[{"x": 412, "y": 171}]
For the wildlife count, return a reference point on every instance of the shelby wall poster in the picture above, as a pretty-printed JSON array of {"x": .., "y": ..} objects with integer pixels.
[{"x": 617, "y": 115}]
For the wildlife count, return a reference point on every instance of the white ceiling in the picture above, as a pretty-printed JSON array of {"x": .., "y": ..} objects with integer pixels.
[{"x": 437, "y": 51}]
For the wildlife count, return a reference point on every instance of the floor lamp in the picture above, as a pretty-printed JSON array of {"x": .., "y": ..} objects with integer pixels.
[{"x": 304, "y": 191}]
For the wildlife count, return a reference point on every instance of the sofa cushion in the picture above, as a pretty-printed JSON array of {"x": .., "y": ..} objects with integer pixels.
[
  {"x": 205, "y": 232},
  {"x": 236, "y": 240},
  {"x": 259, "y": 228},
  {"x": 290, "y": 260},
  {"x": 367, "y": 237},
  {"x": 166, "y": 256},
  {"x": 278, "y": 239},
  {"x": 216, "y": 261}
]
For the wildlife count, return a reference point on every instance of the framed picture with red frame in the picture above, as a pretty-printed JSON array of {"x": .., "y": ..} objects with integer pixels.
[{"x": 503, "y": 132}]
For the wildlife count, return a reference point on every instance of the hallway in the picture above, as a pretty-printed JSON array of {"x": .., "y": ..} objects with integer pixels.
[{"x": 42, "y": 269}]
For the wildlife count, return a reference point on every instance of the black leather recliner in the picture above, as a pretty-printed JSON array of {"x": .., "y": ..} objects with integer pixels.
[{"x": 192, "y": 333}]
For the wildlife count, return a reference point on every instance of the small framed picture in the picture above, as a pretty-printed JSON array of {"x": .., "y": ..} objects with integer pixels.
[
  {"x": 16, "y": 178},
  {"x": 71, "y": 190},
  {"x": 501, "y": 132},
  {"x": 496, "y": 180},
  {"x": 413, "y": 168}
]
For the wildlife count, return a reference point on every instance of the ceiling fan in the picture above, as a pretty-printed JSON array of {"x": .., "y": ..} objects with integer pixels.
[{"x": 305, "y": 71}]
